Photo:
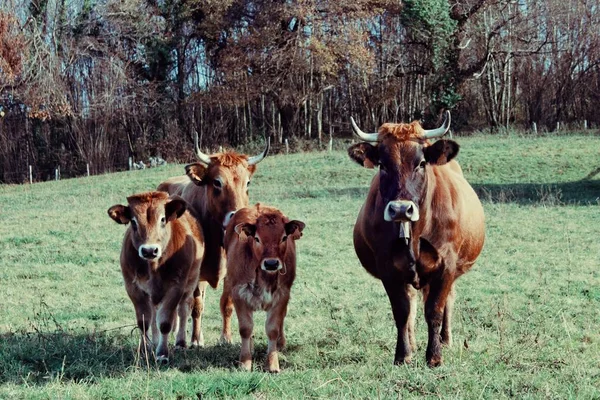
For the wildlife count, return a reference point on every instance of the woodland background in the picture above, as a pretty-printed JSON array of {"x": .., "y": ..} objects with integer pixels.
[{"x": 94, "y": 82}]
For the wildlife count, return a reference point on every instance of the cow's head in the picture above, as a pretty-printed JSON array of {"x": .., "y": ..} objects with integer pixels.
[
  {"x": 225, "y": 177},
  {"x": 403, "y": 154},
  {"x": 269, "y": 236},
  {"x": 150, "y": 215}
]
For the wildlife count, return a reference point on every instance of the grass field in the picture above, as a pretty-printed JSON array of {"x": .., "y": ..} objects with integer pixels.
[{"x": 527, "y": 316}]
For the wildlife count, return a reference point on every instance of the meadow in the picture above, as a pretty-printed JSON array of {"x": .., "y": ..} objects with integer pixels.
[{"x": 526, "y": 321}]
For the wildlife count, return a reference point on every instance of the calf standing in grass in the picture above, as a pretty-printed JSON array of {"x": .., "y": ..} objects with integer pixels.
[
  {"x": 160, "y": 261},
  {"x": 261, "y": 267}
]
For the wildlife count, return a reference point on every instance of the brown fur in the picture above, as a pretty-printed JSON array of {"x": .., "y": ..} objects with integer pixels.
[
  {"x": 164, "y": 286},
  {"x": 210, "y": 206},
  {"x": 445, "y": 242},
  {"x": 251, "y": 288}
]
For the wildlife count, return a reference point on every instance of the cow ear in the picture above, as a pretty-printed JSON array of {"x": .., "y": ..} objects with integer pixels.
[
  {"x": 245, "y": 230},
  {"x": 294, "y": 228},
  {"x": 252, "y": 169},
  {"x": 121, "y": 214},
  {"x": 364, "y": 154},
  {"x": 441, "y": 152},
  {"x": 175, "y": 208},
  {"x": 196, "y": 172}
]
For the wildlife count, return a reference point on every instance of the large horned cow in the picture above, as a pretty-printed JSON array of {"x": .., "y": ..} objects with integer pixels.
[
  {"x": 215, "y": 188},
  {"x": 421, "y": 227}
]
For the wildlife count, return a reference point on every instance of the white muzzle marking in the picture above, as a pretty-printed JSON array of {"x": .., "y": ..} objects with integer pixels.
[
  {"x": 149, "y": 252},
  {"x": 401, "y": 210}
]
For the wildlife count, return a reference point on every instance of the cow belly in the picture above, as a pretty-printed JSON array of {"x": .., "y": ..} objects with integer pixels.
[{"x": 256, "y": 296}]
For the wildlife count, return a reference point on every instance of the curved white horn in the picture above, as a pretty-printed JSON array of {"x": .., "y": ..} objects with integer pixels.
[
  {"x": 256, "y": 159},
  {"x": 203, "y": 158},
  {"x": 369, "y": 137},
  {"x": 441, "y": 131}
]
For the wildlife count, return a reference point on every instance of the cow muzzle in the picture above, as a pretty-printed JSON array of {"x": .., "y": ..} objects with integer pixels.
[
  {"x": 149, "y": 252},
  {"x": 271, "y": 265},
  {"x": 401, "y": 211}
]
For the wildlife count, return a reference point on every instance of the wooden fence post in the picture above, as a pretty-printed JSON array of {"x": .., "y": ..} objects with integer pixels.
[
  {"x": 30, "y": 175},
  {"x": 287, "y": 146}
]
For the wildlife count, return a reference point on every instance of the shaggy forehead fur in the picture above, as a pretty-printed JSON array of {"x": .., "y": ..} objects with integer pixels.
[
  {"x": 229, "y": 158},
  {"x": 402, "y": 132},
  {"x": 266, "y": 216},
  {"x": 149, "y": 197}
]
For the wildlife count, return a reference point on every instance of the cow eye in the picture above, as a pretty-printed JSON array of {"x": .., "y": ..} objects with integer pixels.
[
  {"x": 134, "y": 225},
  {"x": 163, "y": 220},
  {"x": 422, "y": 164},
  {"x": 248, "y": 184},
  {"x": 257, "y": 239},
  {"x": 217, "y": 184}
]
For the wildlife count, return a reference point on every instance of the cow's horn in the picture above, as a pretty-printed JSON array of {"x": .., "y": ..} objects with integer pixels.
[
  {"x": 256, "y": 159},
  {"x": 369, "y": 137},
  {"x": 441, "y": 131},
  {"x": 204, "y": 158}
]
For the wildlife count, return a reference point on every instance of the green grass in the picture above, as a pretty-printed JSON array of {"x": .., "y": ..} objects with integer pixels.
[{"x": 526, "y": 322}]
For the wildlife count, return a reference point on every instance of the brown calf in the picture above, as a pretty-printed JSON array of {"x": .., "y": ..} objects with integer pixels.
[
  {"x": 215, "y": 187},
  {"x": 261, "y": 260},
  {"x": 160, "y": 261}
]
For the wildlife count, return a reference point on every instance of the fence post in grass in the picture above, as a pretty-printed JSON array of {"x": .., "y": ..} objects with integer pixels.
[
  {"x": 534, "y": 127},
  {"x": 287, "y": 146},
  {"x": 87, "y": 166},
  {"x": 130, "y": 163},
  {"x": 30, "y": 175},
  {"x": 585, "y": 124},
  {"x": 330, "y": 144},
  {"x": 557, "y": 126},
  {"x": 56, "y": 174}
]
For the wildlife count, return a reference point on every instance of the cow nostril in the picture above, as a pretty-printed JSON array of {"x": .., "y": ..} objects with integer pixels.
[
  {"x": 271, "y": 263},
  {"x": 409, "y": 211},
  {"x": 155, "y": 251}
]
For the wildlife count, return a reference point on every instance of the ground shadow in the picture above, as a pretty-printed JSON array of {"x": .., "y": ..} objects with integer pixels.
[
  {"x": 582, "y": 192},
  {"x": 38, "y": 358}
]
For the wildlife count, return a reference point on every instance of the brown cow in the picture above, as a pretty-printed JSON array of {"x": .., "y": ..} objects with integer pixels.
[
  {"x": 160, "y": 261},
  {"x": 421, "y": 225},
  {"x": 261, "y": 267},
  {"x": 214, "y": 188}
]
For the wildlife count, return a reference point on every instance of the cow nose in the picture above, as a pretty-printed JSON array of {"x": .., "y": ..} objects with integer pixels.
[
  {"x": 149, "y": 251},
  {"x": 227, "y": 218},
  {"x": 401, "y": 210},
  {"x": 271, "y": 264}
]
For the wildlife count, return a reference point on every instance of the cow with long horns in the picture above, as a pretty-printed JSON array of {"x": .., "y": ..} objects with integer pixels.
[
  {"x": 421, "y": 227},
  {"x": 215, "y": 188}
]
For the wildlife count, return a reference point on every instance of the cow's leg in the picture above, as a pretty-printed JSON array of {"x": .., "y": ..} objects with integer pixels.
[
  {"x": 144, "y": 313},
  {"x": 246, "y": 323},
  {"x": 226, "y": 304},
  {"x": 281, "y": 340},
  {"x": 435, "y": 304},
  {"x": 447, "y": 321},
  {"x": 397, "y": 292},
  {"x": 164, "y": 317},
  {"x": 183, "y": 310},
  {"x": 274, "y": 329},
  {"x": 412, "y": 294},
  {"x": 197, "y": 311}
]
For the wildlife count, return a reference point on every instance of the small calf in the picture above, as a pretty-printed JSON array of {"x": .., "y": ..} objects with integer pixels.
[
  {"x": 261, "y": 267},
  {"x": 160, "y": 261}
]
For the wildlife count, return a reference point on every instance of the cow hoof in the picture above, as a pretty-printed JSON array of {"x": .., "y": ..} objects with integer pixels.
[
  {"x": 274, "y": 370},
  {"x": 405, "y": 360},
  {"x": 434, "y": 362},
  {"x": 197, "y": 344},
  {"x": 225, "y": 340},
  {"x": 180, "y": 345},
  {"x": 246, "y": 365},
  {"x": 162, "y": 359}
]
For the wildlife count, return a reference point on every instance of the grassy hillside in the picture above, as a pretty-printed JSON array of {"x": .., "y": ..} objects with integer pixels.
[{"x": 526, "y": 321}]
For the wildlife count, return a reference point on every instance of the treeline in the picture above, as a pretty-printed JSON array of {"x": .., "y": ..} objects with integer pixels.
[{"x": 94, "y": 82}]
